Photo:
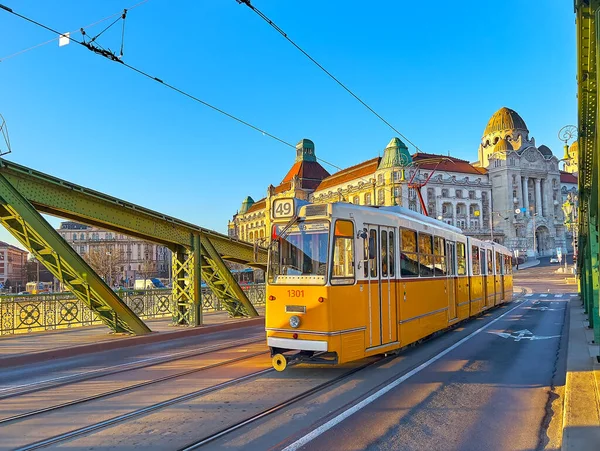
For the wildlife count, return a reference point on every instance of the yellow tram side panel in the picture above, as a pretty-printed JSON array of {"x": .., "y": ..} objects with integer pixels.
[
  {"x": 499, "y": 289},
  {"x": 490, "y": 291},
  {"x": 476, "y": 293},
  {"x": 462, "y": 299},
  {"x": 349, "y": 318},
  {"x": 424, "y": 310},
  {"x": 508, "y": 288}
]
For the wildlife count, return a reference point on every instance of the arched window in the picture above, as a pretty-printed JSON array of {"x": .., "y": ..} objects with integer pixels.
[{"x": 251, "y": 235}]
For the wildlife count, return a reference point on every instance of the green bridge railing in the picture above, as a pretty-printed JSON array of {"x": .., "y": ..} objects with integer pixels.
[{"x": 34, "y": 313}]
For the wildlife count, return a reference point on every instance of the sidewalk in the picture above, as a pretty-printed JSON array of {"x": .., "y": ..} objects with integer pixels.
[
  {"x": 581, "y": 414},
  {"x": 529, "y": 264},
  {"x": 38, "y": 346}
]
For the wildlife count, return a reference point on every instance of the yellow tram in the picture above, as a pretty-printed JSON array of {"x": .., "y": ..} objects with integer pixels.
[{"x": 348, "y": 281}]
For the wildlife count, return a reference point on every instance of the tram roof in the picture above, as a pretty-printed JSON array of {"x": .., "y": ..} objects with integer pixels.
[
  {"x": 414, "y": 216},
  {"x": 397, "y": 210}
]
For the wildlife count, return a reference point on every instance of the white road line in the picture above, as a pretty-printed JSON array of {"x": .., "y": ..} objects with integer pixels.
[
  {"x": 543, "y": 295},
  {"x": 558, "y": 295},
  {"x": 216, "y": 346},
  {"x": 573, "y": 295},
  {"x": 529, "y": 295},
  {"x": 365, "y": 402}
]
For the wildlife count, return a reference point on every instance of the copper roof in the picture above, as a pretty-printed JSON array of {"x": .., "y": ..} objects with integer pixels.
[
  {"x": 258, "y": 205},
  {"x": 567, "y": 177},
  {"x": 449, "y": 164},
  {"x": 505, "y": 119},
  {"x": 364, "y": 169},
  {"x": 306, "y": 170}
]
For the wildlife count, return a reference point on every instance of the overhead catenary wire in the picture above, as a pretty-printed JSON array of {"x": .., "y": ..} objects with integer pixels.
[
  {"x": 111, "y": 56},
  {"x": 95, "y": 47},
  {"x": 284, "y": 34},
  {"x": 93, "y": 24}
]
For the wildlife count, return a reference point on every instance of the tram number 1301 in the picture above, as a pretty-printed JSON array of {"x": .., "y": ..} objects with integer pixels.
[{"x": 296, "y": 293}]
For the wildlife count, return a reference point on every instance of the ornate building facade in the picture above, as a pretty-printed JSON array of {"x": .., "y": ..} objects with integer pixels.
[
  {"x": 512, "y": 193},
  {"x": 132, "y": 258}
]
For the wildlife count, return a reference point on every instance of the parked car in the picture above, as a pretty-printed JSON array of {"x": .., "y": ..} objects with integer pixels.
[
  {"x": 23, "y": 292},
  {"x": 554, "y": 260}
]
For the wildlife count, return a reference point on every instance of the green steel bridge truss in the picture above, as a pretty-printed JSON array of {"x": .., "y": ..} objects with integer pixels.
[
  {"x": 588, "y": 45},
  {"x": 198, "y": 253}
]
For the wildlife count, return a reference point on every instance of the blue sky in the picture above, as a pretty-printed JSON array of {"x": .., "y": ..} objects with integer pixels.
[{"x": 437, "y": 72}]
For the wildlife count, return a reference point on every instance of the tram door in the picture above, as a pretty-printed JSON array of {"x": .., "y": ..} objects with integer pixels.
[
  {"x": 451, "y": 279},
  {"x": 382, "y": 299}
]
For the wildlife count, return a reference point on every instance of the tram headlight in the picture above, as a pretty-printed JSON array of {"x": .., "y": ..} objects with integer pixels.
[{"x": 294, "y": 321}]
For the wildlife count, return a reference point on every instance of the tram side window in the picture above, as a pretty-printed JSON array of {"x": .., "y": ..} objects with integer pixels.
[
  {"x": 490, "y": 262},
  {"x": 439, "y": 256},
  {"x": 450, "y": 258},
  {"x": 508, "y": 269},
  {"x": 392, "y": 254},
  {"x": 373, "y": 244},
  {"x": 461, "y": 258},
  {"x": 343, "y": 253},
  {"x": 409, "y": 261},
  {"x": 475, "y": 260},
  {"x": 499, "y": 266},
  {"x": 384, "y": 256},
  {"x": 426, "y": 255}
]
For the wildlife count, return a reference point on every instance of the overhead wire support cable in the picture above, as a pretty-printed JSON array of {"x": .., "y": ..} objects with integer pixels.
[
  {"x": 12, "y": 55},
  {"x": 284, "y": 34},
  {"x": 112, "y": 57}
]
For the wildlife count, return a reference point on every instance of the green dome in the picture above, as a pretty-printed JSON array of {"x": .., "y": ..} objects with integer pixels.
[
  {"x": 395, "y": 154},
  {"x": 246, "y": 204}
]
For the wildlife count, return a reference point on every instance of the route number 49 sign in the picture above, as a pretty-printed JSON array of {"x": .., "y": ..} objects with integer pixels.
[{"x": 282, "y": 208}]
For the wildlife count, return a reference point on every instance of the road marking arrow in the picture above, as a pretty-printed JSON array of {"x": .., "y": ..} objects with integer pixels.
[{"x": 523, "y": 334}]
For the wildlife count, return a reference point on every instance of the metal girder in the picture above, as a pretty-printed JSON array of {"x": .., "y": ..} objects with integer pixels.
[
  {"x": 588, "y": 65},
  {"x": 23, "y": 221},
  {"x": 61, "y": 198},
  {"x": 217, "y": 276},
  {"x": 187, "y": 308}
]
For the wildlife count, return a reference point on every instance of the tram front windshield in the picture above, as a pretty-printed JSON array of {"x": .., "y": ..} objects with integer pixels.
[{"x": 301, "y": 250}]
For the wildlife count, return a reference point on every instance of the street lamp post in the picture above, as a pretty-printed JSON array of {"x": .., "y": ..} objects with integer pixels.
[{"x": 109, "y": 269}]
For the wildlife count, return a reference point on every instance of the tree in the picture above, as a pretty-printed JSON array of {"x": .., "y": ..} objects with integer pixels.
[
  {"x": 147, "y": 269},
  {"x": 106, "y": 262}
]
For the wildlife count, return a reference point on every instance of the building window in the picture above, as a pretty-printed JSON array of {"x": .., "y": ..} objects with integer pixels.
[
  {"x": 368, "y": 199},
  {"x": 459, "y": 194},
  {"x": 74, "y": 237},
  {"x": 397, "y": 176},
  {"x": 355, "y": 200},
  {"x": 380, "y": 179},
  {"x": 444, "y": 192},
  {"x": 380, "y": 197}
]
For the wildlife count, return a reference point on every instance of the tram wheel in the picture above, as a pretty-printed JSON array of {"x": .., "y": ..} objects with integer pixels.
[{"x": 279, "y": 362}]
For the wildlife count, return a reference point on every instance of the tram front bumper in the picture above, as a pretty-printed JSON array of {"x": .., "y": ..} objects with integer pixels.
[{"x": 300, "y": 345}]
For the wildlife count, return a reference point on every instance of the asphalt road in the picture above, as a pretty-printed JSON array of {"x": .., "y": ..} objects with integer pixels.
[
  {"x": 492, "y": 392},
  {"x": 486, "y": 385}
]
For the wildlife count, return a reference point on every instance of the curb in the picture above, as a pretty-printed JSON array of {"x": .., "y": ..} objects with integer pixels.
[{"x": 126, "y": 342}]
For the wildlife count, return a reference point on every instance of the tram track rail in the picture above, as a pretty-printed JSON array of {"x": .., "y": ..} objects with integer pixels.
[
  {"x": 139, "y": 412},
  {"x": 11, "y": 392},
  {"x": 282, "y": 405},
  {"x": 117, "y": 391}
]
